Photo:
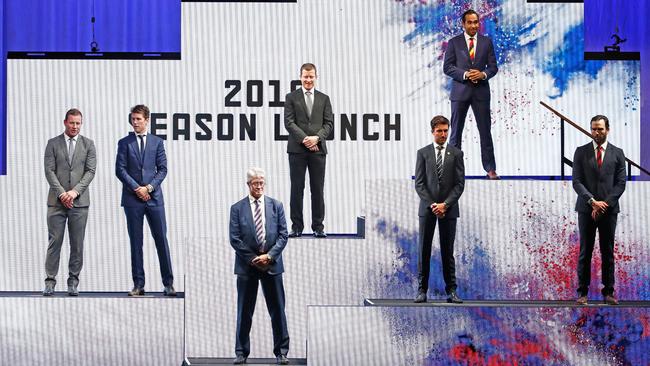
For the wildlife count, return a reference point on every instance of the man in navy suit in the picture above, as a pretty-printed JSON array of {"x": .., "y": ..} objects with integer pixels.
[
  {"x": 258, "y": 233},
  {"x": 470, "y": 61},
  {"x": 309, "y": 120},
  {"x": 599, "y": 181},
  {"x": 439, "y": 182},
  {"x": 141, "y": 166}
]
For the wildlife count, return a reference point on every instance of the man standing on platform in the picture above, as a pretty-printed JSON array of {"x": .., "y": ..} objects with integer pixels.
[
  {"x": 439, "y": 181},
  {"x": 599, "y": 181},
  {"x": 309, "y": 120},
  {"x": 470, "y": 61},
  {"x": 70, "y": 162},
  {"x": 258, "y": 233},
  {"x": 141, "y": 166}
]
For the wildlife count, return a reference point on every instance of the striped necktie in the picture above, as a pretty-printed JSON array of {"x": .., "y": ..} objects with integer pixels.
[
  {"x": 599, "y": 156},
  {"x": 259, "y": 227},
  {"x": 439, "y": 162},
  {"x": 472, "y": 51}
]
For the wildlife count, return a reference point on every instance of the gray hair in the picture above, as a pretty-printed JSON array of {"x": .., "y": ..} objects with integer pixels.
[{"x": 253, "y": 173}]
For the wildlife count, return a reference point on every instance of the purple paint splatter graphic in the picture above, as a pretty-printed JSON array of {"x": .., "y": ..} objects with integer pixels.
[{"x": 514, "y": 336}]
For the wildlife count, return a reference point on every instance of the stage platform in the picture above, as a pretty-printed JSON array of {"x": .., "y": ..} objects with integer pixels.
[
  {"x": 207, "y": 361},
  {"x": 91, "y": 330},
  {"x": 91, "y": 294},
  {"x": 398, "y": 332},
  {"x": 505, "y": 303}
]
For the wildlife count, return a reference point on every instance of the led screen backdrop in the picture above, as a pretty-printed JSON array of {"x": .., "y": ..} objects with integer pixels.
[{"x": 220, "y": 110}]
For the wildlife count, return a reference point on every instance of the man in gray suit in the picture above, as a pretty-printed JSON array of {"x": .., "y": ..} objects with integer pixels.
[
  {"x": 70, "y": 161},
  {"x": 599, "y": 181},
  {"x": 439, "y": 181},
  {"x": 308, "y": 118}
]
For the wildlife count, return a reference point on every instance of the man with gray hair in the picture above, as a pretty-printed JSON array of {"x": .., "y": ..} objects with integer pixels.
[{"x": 258, "y": 233}]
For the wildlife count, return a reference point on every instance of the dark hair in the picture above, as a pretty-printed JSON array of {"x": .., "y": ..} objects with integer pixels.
[
  {"x": 438, "y": 120},
  {"x": 307, "y": 67},
  {"x": 72, "y": 112},
  {"x": 142, "y": 109},
  {"x": 598, "y": 117},
  {"x": 468, "y": 12}
]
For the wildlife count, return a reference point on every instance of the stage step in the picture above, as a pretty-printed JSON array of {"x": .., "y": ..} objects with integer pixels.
[
  {"x": 595, "y": 303},
  {"x": 208, "y": 361}
]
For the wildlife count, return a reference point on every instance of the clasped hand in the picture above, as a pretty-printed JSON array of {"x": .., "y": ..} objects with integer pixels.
[
  {"x": 67, "y": 198},
  {"x": 598, "y": 209},
  {"x": 142, "y": 193},
  {"x": 311, "y": 142},
  {"x": 439, "y": 209},
  {"x": 474, "y": 75}
]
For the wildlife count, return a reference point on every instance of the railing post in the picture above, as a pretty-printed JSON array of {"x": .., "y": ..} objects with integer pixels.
[
  {"x": 629, "y": 171},
  {"x": 562, "y": 148}
]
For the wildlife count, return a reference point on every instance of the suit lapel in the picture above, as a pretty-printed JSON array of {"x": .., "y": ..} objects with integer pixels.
[
  {"x": 447, "y": 163},
  {"x": 466, "y": 48},
  {"x": 136, "y": 147},
  {"x": 248, "y": 217},
  {"x": 63, "y": 147},
  {"x": 318, "y": 101},
  {"x": 268, "y": 215},
  {"x": 431, "y": 151}
]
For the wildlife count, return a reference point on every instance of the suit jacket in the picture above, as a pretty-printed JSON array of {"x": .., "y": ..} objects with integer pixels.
[
  {"x": 448, "y": 189},
  {"x": 603, "y": 184},
  {"x": 244, "y": 239},
  {"x": 457, "y": 61},
  {"x": 63, "y": 175},
  {"x": 135, "y": 170},
  {"x": 299, "y": 125}
]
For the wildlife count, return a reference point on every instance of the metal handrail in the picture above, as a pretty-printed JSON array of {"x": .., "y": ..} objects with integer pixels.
[{"x": 568, "y": 162}]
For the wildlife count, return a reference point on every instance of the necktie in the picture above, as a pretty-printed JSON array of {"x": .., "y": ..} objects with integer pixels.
[
  {"x": 70, "y": 149},
  {"x": 259, "y": 227},
  {"x": 471, "y": 48},
  {"x": 439, "y": 161},
  {"x": 141, "y": 145},
  {"x": 309, "y": 103},
  {"x": 599, "y": 156}
]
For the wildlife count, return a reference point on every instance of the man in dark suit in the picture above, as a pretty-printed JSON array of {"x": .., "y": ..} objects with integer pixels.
[
  {"x": 439, "y": 181},
  {"x": 308, "y": 118},
  {"x": 599, "y": 181},
  {"x": 470, "y": 61},
  {"x": 141, "y": 166},
  {"x": 258, "y": 233},
  {"x": 70, "y": 162}
]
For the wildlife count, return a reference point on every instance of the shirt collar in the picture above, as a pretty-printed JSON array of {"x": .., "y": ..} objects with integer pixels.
[
  {"x": 67, "y": 138},
  {"x": 435, "y": 146},
  {"x": 467, "y": 36},
  {"x": 313, "y": 90},
  {"x": 595, "y": 145},
  {"x": 252, "y": 199}
]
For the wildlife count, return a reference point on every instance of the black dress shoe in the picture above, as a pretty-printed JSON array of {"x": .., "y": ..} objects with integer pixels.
[
  {"x": 49, "y": 289},
  {"x": 239, "y": 360},
  {"x": 453, "y": 298},
  {"x": 169, "y": 291},
  {"x": 320, "y": 234},
  {"x": 282, "y": 360},
  {"x": 422, "y": 297},
  {"x": 137, "y": 291},
  {"x": 73, "y": 290},
  {"x": 295, "y": 234}
]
